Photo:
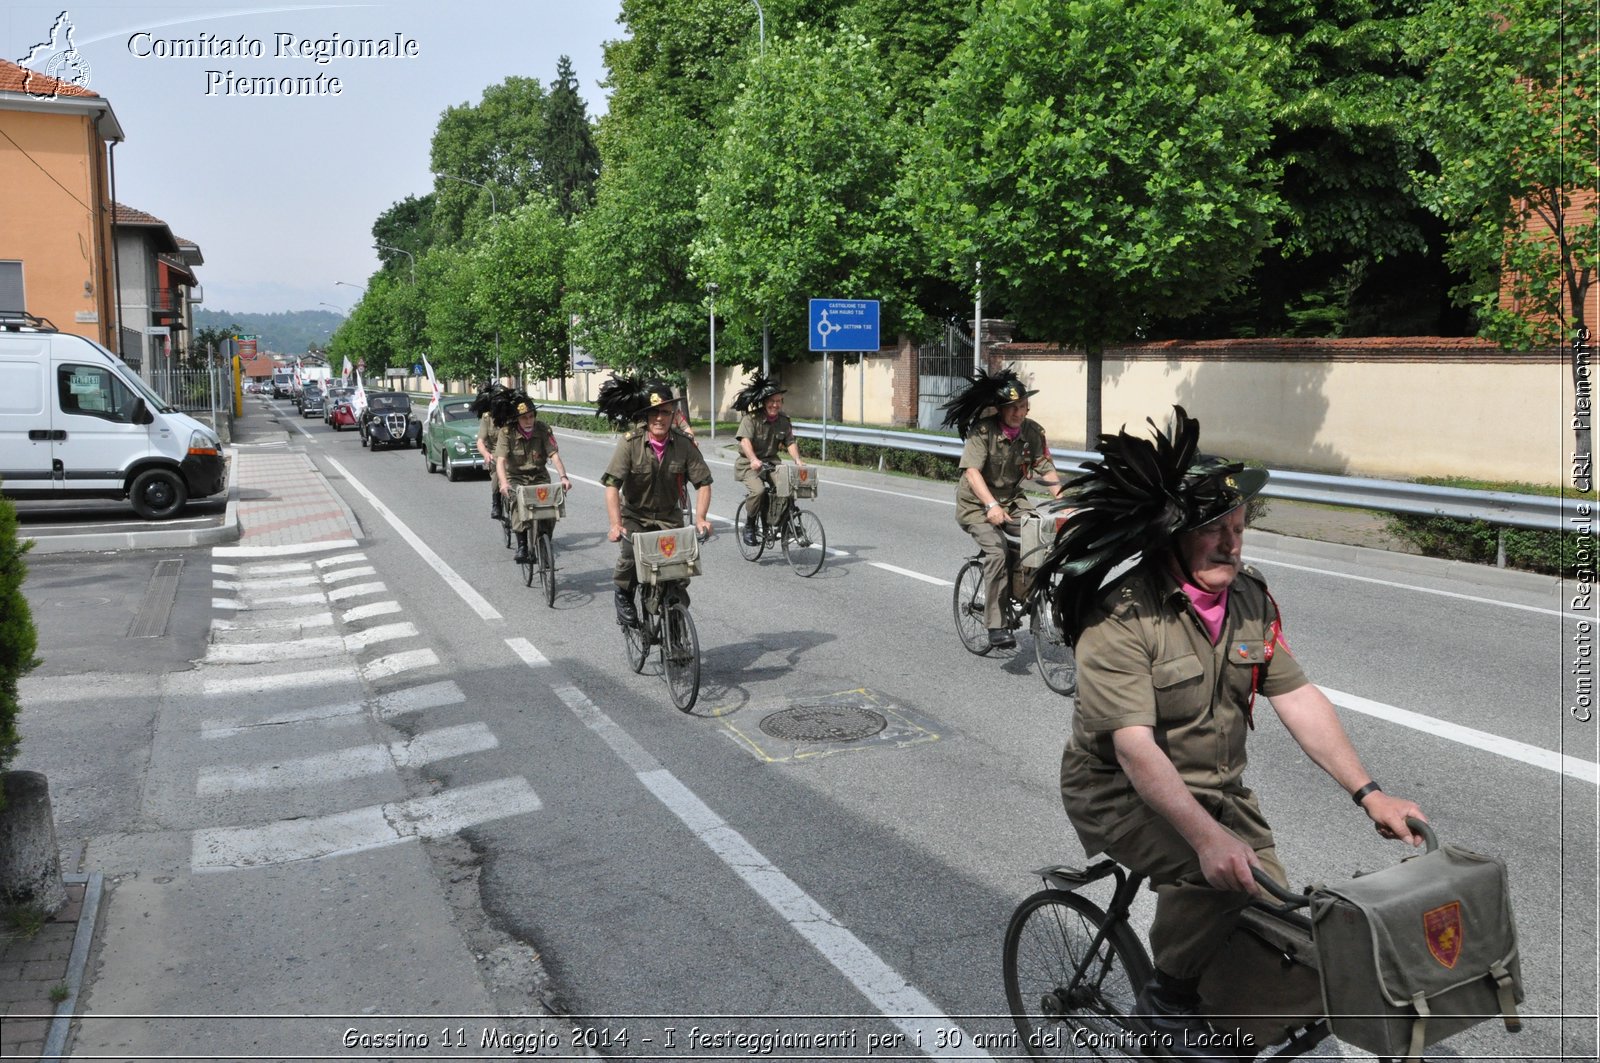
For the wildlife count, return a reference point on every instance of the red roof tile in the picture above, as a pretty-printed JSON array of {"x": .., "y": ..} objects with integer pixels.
[{"x": 17, "y": 78}]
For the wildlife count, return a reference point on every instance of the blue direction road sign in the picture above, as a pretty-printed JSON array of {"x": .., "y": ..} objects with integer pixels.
[{"x": 844, "y": 325}]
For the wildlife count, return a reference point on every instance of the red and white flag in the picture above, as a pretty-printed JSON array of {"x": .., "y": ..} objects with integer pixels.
[
  {"x": 344, "y": 373},
  {"x": 358, "y": 401}
]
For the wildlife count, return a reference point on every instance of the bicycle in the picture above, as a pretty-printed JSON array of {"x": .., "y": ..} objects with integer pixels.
[
  {"x": 805, "y": 543},
  {"x": 1073, "y": 971},
  {"x": 1030, "y": 601},
  {"x": 537, "y": 507},
  {"x": 664, "y": 561}
]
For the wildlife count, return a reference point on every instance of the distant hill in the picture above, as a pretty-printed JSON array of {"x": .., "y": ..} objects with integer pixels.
[{"x": 288, "y": 332}]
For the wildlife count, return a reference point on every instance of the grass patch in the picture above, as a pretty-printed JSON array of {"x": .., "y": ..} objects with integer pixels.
[{"x": 1478, "y": 541}]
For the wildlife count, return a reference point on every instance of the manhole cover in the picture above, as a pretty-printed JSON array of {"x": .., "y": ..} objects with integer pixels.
[{"x": 823, "y": 723}]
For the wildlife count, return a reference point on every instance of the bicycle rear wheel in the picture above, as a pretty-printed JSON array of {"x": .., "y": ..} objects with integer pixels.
[
  {"x": 1067, "y": 1001},
  {"x": 528, "y": 566},
  {"x": 1058, "y": 662},
  {"x": 547, "y": 567},
  {"x": 636, "y": 641},
  {"x": 505, "y": 523},
  {"x": 969, "y": 608},
  {"x": 804, "y": 542},
  {"x": 741, "y": 517},
  {"x": 680, "y": 655}
]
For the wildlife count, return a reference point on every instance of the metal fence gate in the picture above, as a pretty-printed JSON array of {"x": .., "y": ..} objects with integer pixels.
[
  {"x": 942, "y": 367},
  {"x": 202, "y": 390}
]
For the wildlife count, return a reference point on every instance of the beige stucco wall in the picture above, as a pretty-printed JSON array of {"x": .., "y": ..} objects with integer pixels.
[
  {"x": 53, "y": 217},
  {"x": 804, "y": 381}
]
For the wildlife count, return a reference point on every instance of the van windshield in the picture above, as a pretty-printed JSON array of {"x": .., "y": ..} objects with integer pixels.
[{"x": 150, "y": 397}]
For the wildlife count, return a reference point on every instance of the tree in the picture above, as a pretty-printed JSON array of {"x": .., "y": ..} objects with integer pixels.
[
  {"x": 520, "y": 276},
  {"x": 211, "y": 339},
  {"x": 18, "y": 639},
  {"x": 407, "y": 225},
  {"x": 800, "y": 196},
  {"x": 1509, "y": 110},
  {"x": 1103, "y": 161},
  {"x": 461, "y": 342},
  {"x": 570, "y": 162},
  {"x": 495, "y": 144}
]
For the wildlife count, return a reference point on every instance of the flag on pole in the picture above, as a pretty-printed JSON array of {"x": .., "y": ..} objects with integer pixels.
[
  {"x": 358, "y": 401},
  {"x": 433, "y": 386},
  {"x": 344, "y": 374}
]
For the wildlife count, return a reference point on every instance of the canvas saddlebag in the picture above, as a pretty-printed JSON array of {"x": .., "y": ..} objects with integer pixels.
[
  {"x": 663, "y": 556},
  {"x": 1417, "y": 952},
  {"x": 533, "y": 502}
]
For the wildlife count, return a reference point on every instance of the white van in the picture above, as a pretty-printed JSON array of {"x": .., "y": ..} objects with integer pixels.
[{"x": 77, "y": 422}]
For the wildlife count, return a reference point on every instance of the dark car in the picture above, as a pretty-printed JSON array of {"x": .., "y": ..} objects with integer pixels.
[
  {"x": 387, "y": 421},
  {"x": 311, "y": 400}
]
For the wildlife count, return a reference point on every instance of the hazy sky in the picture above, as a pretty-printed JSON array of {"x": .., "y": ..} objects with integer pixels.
[{"x": 281, "y": 192}]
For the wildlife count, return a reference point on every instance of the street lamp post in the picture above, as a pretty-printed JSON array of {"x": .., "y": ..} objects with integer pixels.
[
  {"x": 766, "y": 330},
  {"x": 347, "y": 284},
  {"x": 409, "y": 255},
  {"x": 341, "y": 309},
  {"x": 494, "y": 212},
  {"x": 712, "y": 288}
]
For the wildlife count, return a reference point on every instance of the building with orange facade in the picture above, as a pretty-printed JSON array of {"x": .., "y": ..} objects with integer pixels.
[{"x": 56, "y": 239}]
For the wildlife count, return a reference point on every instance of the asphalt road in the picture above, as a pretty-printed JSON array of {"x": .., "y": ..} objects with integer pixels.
[{"x": 688, "y": 870}]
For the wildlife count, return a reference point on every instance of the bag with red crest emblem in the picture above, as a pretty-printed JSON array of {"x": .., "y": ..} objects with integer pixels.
[{"x": 1417, "y": 952}]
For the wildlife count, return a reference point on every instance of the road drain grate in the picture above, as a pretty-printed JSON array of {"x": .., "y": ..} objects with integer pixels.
[
  {"x": 156, "y": 605},
  {"x": 823, "y": 723}
]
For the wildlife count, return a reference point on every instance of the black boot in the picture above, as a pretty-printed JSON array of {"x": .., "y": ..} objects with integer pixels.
[
  {"x": 496, "y": 509},
  {"x": 627, "y": 616},
  {"x": 1001, "y": 638},
  {"x": 1170, "y": 1007},
  {"x": 752, "y": 536},
  {"x": 522, "y": 547}
]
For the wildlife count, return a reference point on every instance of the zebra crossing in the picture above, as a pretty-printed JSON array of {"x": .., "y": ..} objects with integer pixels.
[{"x": 304, "y": 656}]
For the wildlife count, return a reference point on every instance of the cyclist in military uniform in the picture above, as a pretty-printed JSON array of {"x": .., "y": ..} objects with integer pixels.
[
  {"x": 647, "y": 477},
  {"x": 1002, "y": 449},
  {"x": 763, "y": 428},
  {"x": 1171, "y": 657},
  {"x": 483, "y": 406},
  {"x": 525, "y": 446}
]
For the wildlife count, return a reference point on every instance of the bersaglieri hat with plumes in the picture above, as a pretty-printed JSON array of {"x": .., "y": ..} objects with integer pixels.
[
  {"x": 984, "y": 391},
  {"x": 625, "y": 399},
  {"x": 1135, "y": 500},
  {"x": 758, "y": 389}
]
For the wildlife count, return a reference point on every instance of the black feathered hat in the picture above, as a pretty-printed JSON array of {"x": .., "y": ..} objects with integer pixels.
[
  {"x": 501, "y": 408},
  {"x": 482, "y": 402},
  {"x": 984, "y": 391},
  {"x": 758, "y": 389},
  {"x": 1135, "y": 500},
  {"x": 625, "y": 399}
]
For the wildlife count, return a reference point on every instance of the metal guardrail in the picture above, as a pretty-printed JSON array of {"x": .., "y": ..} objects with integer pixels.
[{"x": 1389, "y": 496}]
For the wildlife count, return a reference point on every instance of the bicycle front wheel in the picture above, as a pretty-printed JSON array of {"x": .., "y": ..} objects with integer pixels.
[
  {"x": 1058, "y": 663},
  {"x": 636, "y": 641},
  {"x": 505, "y": 523},
  {"x": 1071, "y": 997},
  {"x": 680, "y": 655},
  {"x": 804, "y": 543},
  {"x": 547, "y": 568},
  {"x": 741, "y": 520},
  {"x": 969, "y": 608}
]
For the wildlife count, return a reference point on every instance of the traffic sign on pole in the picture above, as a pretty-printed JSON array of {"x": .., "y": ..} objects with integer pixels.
[{"x": 844, "y": 325}]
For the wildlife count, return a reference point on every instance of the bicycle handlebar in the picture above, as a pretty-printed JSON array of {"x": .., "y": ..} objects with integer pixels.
[{"x": 1293, "y": 900}]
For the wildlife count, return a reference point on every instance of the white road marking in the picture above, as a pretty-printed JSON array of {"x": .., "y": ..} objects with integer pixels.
[
  {"x": 1422, "y": 590},
  {"x": 348, "y": 573},
  {"x": 899, "y": 1001},
  {"x": 288, "y": 550},
  {"x": 530, "y": 656},
  {"x": 382, "y": 633},
  {"x": 276, "y": 623},
  {"x": 342, "y": 559},
  {"x": 345, "y": 764},
  {"x": 897, "y": 570},
  {"x": 343, "y": 594},
  {"x": 234, "y": 686},
  {"x": 1573, "y": 767},
  {"x": 475, "y": 601},
  {"x": 415, "y": 699},
  {"x": 317, "y": 598},
  {"x": 265, "y": 652},
  {"x": 261, "y": 570},
  {"x": 227, "y": 728},
  {"x": 395, "y": 663},
  {"x": 226, "y": 603},
  {"x": 365, "y": 612},
  {"x": 377, "y": 826}
]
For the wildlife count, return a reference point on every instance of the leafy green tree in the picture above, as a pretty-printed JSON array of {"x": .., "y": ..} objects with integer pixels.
[
  {"x": 570, "y": 161},
  {"x": 407, "y": 225},
  {"x": 1103, "y": 161},
  {"x": 364, "y": 335},
  {"x": 210, "y": 338},
  {"x": 520, "y": 277},
  {"x": 800, "y": 196},
  {"x": 461, "y": 342},
  {"x": 494, "y": 143},
  {"x": 629, "y": 279},
  {"x": 18, "y": 639}
]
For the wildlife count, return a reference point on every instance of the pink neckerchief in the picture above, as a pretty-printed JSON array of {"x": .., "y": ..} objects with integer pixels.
[
  {"x": 525, "y": 434},
  {"x": 1011, "y": 433},
  {"x": 772, "y": 418},
  {"x": 660, "y": 448},
  {"x": 1210, "y": 606}
]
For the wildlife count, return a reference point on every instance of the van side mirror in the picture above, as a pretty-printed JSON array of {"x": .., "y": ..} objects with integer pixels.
[{"x": 140, "y": 414}]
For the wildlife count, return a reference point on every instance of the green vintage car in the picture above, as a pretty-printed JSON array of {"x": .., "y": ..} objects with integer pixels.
[{"x": 449, "y": 439}]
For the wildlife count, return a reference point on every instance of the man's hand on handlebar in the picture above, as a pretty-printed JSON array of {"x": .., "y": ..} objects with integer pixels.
[
  {"x": 1226, "y": 862},
  {"x": 615, "y": 534},
  {"x": 996, "y": 515},
  {"x": 1388, "y": 815},
  {"x": 703, "y": 529}
]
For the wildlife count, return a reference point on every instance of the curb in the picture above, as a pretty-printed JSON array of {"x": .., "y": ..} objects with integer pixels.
[
  {"x": 55, "y": 1041},
  {"x": 154, "y": 539}
]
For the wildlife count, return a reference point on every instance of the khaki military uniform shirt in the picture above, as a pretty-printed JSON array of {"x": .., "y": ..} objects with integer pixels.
[
  {"x": 766, "y": 437},
  {"x": 1004, "y": 464},
  {"x": 525, "y": 458},
  {"x": 487, "y": 433},
  {"x": 650, "y": 488},
  {"x": 1145, "y": 659}
]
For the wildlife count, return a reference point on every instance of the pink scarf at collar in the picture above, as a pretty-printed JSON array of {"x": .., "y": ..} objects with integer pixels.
[
  {"x": 660, "y": 448},
  {"x": 1210, "y": 607}
]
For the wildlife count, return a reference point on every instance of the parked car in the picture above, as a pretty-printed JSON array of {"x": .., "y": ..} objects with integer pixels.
[
  {"x": 331, "y": 401},
  {"x": 311, "y": 401},
  {"x": 387, "y": 421},
  {"x": 342, "y": 414},
  {"x": 449, "y": 439},
  {"x": 77, "y": 422}
]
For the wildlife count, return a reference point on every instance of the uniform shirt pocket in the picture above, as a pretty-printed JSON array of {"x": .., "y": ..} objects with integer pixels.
[{"x": 1180, "y": 687}]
